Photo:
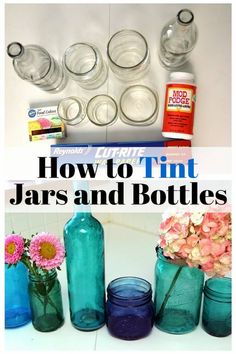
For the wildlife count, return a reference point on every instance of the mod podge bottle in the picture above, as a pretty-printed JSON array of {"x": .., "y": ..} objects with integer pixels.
[{"x": 179, "y": 106}]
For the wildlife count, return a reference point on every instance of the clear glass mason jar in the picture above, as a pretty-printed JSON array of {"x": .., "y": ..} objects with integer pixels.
[
  {"x": 17, "y": 306},
  {"x": 216, "y": 316},
  {"x": 139, "y": 105},
  {"x": 129, "y": 308},
  {"x": 128, "y": 55},
  {"x": 178, "y": 296},
  {"x": 102, "y": 110},
  {"x": 83, "y": 62},
  {"x": 46, "y": 301},
  {"x": 72, "y": 110}
]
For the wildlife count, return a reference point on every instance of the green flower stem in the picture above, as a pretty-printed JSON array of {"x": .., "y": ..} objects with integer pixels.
[{"x": 168, "y": 294}]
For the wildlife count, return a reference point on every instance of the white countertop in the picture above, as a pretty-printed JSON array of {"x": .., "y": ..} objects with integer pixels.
[
  {"x": 57, "y": 26},
  {"x": 128, "y": 252}
]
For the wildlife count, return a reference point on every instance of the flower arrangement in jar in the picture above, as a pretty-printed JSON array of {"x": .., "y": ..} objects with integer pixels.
[
  {"x": 42, "y": 255},
  {"x": 190, "y": 245}
]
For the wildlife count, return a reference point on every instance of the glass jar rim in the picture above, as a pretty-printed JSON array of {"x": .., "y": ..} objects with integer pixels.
[
  {"x": 67, "y": 120},
  {"x": 85, "y": 45},
  {"x": 218, "y": 295},
  {"x": 109, "y": 98},
  {"x": 152, "y": 93},
  {"x": 44, "y": 276},
  {"x": 145, "y": 296},
  {"x": 133, "y": 66}
]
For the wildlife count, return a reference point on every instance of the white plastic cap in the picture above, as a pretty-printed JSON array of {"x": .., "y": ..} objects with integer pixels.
[{"x": 180, "y": 76}]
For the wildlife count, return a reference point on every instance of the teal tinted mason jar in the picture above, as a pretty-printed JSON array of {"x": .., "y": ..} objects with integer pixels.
[
  {"x": 216, "y": 316},
  {"x": 17, "y": 306},
  {"x": 178, "y": 295},
  {"x": 46, "y": 301},
  {"x": 84, "y": 244}
]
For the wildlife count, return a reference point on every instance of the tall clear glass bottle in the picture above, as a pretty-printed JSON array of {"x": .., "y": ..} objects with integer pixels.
[
  {"x": 84, "y": 244},
  {"x": 178, "y": 38},
  {"x": 35, "y": 65}
]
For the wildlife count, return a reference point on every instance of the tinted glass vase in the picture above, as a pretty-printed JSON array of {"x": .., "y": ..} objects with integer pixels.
[
  {"x": 130, "y": 312},
  {"x": 84, "y": 244},
  {"x": 46, "y": 302},
  {"x": 216, "y": 317},
  {"x": 178, "y": 296},
  {"x": 17, "y": 307}
]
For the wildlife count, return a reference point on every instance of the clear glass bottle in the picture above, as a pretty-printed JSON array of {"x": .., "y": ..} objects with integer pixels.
[
  {"x": 178, "y": 38},
  {"x": 217, "y": 311},
  {"x": 84, "y": 244},
  {"x": 46, "y": 301},
  {"x": 35, "y": 65},
  {"x": 178, "y": 296},
  {"x": 17, "y": 306},
  {"x": 130, "y": 312}
]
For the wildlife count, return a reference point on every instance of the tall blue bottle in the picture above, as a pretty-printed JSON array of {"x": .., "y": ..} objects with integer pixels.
[
  {"x": 84, "y": 244},
  {"x": 17, "y": 306}
]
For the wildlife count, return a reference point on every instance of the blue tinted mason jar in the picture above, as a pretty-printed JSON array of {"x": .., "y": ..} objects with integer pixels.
[
  {"x": 178, "y": 295},
  {"x": 216, "y": 317},
  {"x": 17, "y": 306},
  {"x": 129, "y": 310}
]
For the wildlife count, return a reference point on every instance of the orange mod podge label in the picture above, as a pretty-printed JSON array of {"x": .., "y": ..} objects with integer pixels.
[{"x": 179, "y": 108}]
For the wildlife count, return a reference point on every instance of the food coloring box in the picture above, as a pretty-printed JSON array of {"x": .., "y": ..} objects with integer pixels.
[{"x": 44, "y": 123}]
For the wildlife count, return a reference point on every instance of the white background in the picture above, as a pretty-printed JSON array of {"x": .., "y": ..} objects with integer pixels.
[{"x": 57, "y": 26}]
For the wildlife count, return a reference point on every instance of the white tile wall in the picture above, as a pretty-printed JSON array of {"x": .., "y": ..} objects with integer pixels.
[{"x": 29, "y": 223}]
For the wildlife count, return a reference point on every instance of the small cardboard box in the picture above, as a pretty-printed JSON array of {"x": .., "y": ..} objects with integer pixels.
[{"x": 44, "y": 123}]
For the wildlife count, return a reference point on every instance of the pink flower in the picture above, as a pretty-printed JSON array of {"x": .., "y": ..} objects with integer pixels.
[
  {"x": 203, "y": 240},
  {"x": 14, "y": 248},
  {"x": 46, "y": 251}
]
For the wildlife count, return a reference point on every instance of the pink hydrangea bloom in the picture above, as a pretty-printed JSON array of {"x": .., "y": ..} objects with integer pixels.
[
  {"x": 14, "y": 248},
  {"x": 203, "y": 240},
  {"x": 46, "y": 251}
]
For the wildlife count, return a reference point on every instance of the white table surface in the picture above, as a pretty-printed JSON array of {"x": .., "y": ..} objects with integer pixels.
[
  {"x": 57, "y": 26},
  {"x": 127, "y": 252}
]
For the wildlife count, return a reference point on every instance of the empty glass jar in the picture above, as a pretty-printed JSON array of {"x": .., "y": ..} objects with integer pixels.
[
  {"x": 84, "y": 63},
  {"x": 139, "y": 105},
  {"x": 130, "y": 312},
  {"x": 216, "y": 317},
  {"x": 128, "y": 55},
  {"x": 102, "y": 110},
  {"x": 72, "y": 110}
]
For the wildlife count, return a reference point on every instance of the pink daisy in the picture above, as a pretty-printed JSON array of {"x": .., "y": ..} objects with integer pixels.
[
  {"x": 14, "y": 248},
  {"x": 46, "y": 251}
]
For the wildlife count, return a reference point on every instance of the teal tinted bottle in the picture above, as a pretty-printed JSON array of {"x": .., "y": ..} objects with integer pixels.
[
  {"x": 216, "y": 316},
  {"x": 84, "y": 243},
  {"x": 178, "y": 296}
]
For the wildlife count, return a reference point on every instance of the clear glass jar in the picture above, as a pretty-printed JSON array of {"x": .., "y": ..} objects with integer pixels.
[
  {"x": 83, "y": 62},
  {"x": 178, "y": 39},
  {"x": 216, "y": 316},
  {"x": 102, "y": 110},
  {"x": 130, "y": 313},
  {"x": 128, "y": 55},
  {"x": 46, "y": 301},
  {"x": 72, "y": 110},
  {"x": 178, "y": 295},
  {"x": 35, "y": 65},
  {"x": 17, "y": 306},
  {"x": 139, "y": 105}
]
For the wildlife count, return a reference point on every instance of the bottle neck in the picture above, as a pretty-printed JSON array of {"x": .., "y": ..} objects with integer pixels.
[
  {"x": 43, "y": 276},
  {"x": 15, "y": 50},
  {"x": 82, "y": 209}
]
